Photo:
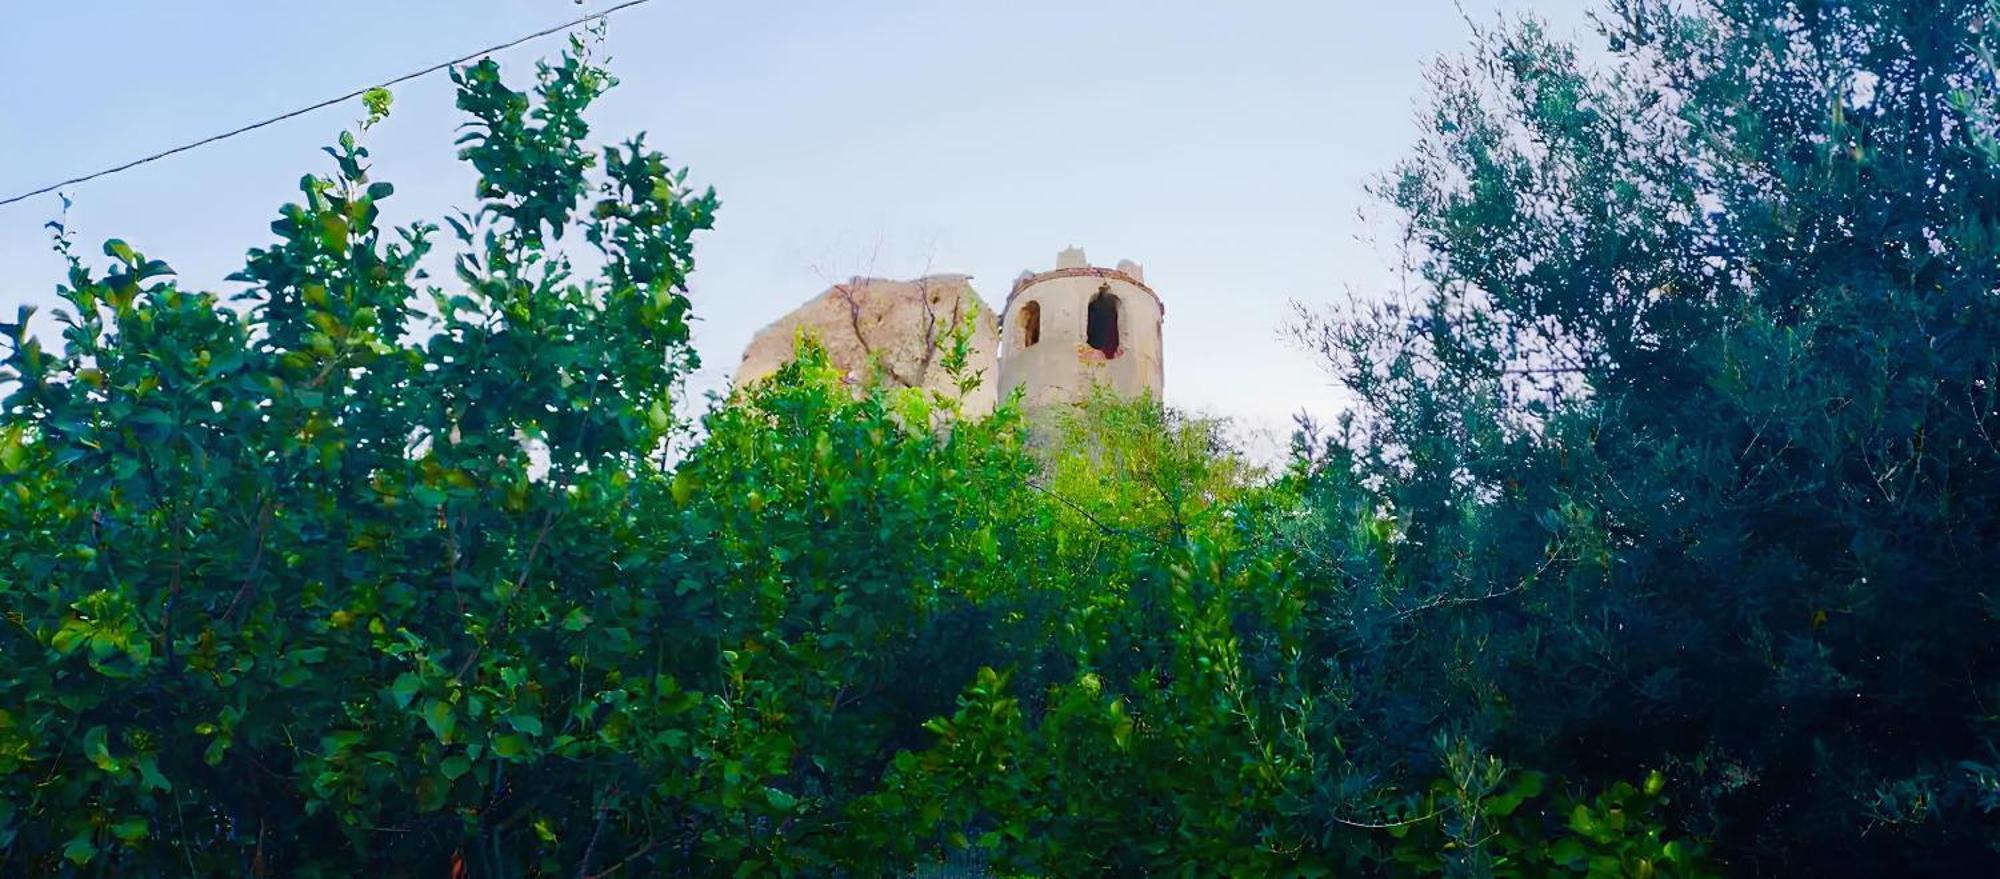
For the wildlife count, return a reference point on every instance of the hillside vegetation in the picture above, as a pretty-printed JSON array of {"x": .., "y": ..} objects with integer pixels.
[{"x": 1660, "y": 539}]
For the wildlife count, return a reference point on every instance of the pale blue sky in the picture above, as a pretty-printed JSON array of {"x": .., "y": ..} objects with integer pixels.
[{"x": 1224, "y": 145}]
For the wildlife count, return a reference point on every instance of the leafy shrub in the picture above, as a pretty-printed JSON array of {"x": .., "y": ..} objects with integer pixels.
[{"x": 333, "y": 579}]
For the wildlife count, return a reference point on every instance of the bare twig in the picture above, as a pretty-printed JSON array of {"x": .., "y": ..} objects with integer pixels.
[
  {"x": 256, "y": 559},
  {"x": 643, "y": 850},
  {"x": 590, "y": 848},
  {"x": 1101, "y": 526},
  {"x": 1363, "y": 825}
]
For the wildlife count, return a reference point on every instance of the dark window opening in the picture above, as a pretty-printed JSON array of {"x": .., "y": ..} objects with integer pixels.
[
  {"x": 1031, "y": 324},
  {"x": 1102, "y": 332}
]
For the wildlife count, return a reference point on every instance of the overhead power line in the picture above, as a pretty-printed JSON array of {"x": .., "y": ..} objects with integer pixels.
[{"x": 326, "y": 103}]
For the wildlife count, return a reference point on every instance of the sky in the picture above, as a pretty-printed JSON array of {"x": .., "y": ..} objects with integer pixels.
[{"x": 1226, "y": 146}]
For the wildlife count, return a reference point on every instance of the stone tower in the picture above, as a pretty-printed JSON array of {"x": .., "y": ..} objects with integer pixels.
[{"x": 1064, "y": 330}]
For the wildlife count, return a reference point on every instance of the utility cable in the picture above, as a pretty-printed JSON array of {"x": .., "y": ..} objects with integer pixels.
[{"x": 324, "y": 104}]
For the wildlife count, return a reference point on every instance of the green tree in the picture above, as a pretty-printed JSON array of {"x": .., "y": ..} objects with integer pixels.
[
  {"x": 333, "y": 580},
  {"x": 1680, "y": 443}
]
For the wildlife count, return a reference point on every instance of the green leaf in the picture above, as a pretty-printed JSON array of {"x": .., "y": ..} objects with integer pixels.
[
  {"x": 405, "y": 688},
  {"x": 333, "y": 231},
  {"x": 1583, "y": 822},
  {"x": 377, "y": 101},
  {"x": 432, "y": 792},
  {"x": 442, "y": 720},
  {"x": 130, "y": 829},
  {"x": 150, "y": 777},
  {"x": 1568, "y": 852},
  {"x": 510, "y": 746},
  {"x": 337, "y": 742},
  {"x": 80, "y": 849},
  {"x": 1655, "y": 782},
  {"x": 97, "y": 747},
  {"x": 12, "y": 452}
]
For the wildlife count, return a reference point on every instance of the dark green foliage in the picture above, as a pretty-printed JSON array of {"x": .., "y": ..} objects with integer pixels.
[{"x": 1684, "y": 444}]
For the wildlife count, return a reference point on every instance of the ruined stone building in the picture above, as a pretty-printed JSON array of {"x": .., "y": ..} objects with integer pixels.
[{"x": 1060, "y": 332}]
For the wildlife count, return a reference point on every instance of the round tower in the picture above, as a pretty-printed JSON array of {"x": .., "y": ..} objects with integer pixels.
[{"x": 1065, "y": 330}]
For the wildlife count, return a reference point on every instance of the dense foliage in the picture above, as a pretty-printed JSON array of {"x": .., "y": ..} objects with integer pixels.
[
  {"x": 1684, "y": 432},
  {"x": 1654, "y": 545}
]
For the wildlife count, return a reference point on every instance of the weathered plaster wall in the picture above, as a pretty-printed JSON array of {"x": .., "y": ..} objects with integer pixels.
[
  {"x": 1061, "y": 366},
  {"x": 897, "y": 321}
]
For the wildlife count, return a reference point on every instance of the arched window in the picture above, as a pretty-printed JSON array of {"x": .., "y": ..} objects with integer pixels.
[
  {"x": 1102, "y": 329},
  {"x": 1031, "y": 324}
]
